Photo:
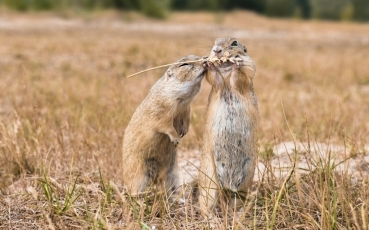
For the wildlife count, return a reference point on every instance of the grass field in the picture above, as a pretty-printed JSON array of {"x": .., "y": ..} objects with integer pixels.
[{"x": 65, "y": 101}]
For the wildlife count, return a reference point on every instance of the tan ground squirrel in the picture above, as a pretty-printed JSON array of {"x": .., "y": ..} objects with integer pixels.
[
  {"x": 155, "y": 129},
  {"x": 229, "y": 149}
]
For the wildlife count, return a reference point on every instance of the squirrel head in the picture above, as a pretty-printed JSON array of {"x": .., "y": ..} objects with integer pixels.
[
  {"x": 182, "y": 79},
  {"x": 184, "y": 71},
  {"x": 234, "y": 61},
  {"x": 227, "y": 47}
]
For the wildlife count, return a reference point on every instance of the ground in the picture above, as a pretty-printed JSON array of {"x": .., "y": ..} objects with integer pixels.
[{"x": 65, "y": 101}]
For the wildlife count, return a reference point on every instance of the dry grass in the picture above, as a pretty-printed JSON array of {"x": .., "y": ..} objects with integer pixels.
[{"x": 65, "y": 101}]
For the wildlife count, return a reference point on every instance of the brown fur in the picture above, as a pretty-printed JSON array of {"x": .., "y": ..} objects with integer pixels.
[
  {"x": 155, "y": 129},
  {"x": 229, "y": 149}
]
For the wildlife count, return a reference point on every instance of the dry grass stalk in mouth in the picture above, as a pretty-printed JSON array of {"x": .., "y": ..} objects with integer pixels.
[{"x": 207, "y": 60}]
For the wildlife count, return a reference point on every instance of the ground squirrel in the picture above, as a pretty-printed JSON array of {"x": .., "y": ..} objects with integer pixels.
[
  {"x": 155, "y": 129},
  {"x": 229, "y": 149}
]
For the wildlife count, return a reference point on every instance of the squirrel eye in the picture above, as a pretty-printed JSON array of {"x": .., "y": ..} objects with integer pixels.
[
  {"x": 235, "y": 43},
  {"x": 183, "y": 64}
]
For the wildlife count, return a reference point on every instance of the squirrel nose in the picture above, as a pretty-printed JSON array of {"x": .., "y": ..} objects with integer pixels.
[{"x": 217, "y": 49}]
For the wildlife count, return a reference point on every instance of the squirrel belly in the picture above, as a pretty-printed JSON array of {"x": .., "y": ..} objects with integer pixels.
[{"x": 233, "y": 137}]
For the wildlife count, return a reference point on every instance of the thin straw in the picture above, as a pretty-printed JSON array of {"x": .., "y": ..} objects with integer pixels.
[{"x": 158, "y": 67}]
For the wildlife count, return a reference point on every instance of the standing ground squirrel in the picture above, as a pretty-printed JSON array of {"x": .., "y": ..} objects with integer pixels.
[
  {"x": 155, "y": 129},
  {"x": 229, "y": 149}
]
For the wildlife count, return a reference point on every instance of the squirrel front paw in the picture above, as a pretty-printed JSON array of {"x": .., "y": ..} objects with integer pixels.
[
  {"x": 175, "y": 141},
  {"x": 185, "y": 124},
  {"x": 173, "y": 136}
]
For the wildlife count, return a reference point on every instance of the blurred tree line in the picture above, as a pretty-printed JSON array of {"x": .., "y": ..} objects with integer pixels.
[{"x": 357, "y": 10}]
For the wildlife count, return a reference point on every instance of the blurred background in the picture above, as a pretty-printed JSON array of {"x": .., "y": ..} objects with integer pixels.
[{"x": 348, "y": 10}]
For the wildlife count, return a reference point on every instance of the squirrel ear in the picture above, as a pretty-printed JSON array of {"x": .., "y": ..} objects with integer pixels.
[{"x": 168, "y": 75}]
